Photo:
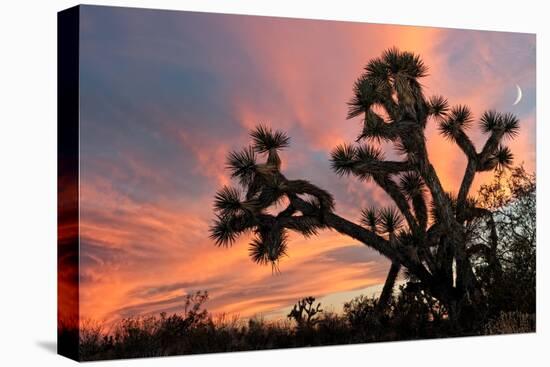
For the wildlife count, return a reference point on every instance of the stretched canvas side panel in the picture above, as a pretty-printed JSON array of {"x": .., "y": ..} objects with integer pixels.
[{"x": 68, "y": 178}]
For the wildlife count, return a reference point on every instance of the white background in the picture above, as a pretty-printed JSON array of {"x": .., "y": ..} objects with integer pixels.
[{"x": 28, "y": 182}]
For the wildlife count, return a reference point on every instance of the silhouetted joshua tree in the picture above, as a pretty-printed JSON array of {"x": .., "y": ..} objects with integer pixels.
[
  {"x": 304, "y": 312},
  {"x": 427, "y": 232}
]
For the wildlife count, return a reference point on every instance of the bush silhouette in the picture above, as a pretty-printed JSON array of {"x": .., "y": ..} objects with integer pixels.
[{"x": 174, "y": 335}]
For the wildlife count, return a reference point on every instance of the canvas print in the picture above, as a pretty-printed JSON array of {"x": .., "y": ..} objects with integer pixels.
[{"x": 236, "y": 183}]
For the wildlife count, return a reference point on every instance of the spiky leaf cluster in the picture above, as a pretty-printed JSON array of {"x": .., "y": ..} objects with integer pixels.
[
  {"x": 362, "y": 160},
  {"x": 242, "y": 165},
  {"x": 265, "y": 139},
  {"x": 375, "y": 128},
  {"x": 342, "y": 159},
  {"x": 390, "y": 220},
  {"x": 268, "y": 247},
  {"x": 395, "y": 73},
  {"x": 226, "y": 228},
  {"x": 370, "y": 218},
  {"x": 228, "y": 201},
  {"x": 493, "y": 122},
  {"x": 438, "y": 106},
  {"x": 366, "y": 153},
  {"x": 456, "y": 122},
  {"x": 367, "y": 92},
  {"x": 502, "y": 158},
  {"x": 411, "y": 184},
  {"x": 406, "y": 63}
]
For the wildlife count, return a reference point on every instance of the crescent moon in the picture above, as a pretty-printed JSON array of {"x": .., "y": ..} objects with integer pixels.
[{"x": 519, "y": 95}]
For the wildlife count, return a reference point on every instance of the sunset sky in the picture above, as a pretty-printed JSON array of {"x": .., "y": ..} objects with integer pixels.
[{"x": 164, "y": 96}]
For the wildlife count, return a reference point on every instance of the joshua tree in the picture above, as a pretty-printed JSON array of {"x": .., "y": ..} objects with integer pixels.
[
  {"x": 427, "y": 230},
  {"x": 304, "y": 312}
]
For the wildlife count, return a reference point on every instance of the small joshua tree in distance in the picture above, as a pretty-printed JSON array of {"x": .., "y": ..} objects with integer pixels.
[{"x": 304, "y": 312}]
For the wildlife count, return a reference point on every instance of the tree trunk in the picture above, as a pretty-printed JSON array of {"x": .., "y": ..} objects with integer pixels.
[
  {"x": 387, "y": 291},
  {"x": 439, "y": 285}
]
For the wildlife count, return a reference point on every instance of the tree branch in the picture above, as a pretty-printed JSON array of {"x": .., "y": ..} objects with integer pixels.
[
  {"x": 464, "y": 142},
  {"x": 467, "y": 180},
  {"x": 382, "y": 167},
  {"x": 431, "y": 179},
  {"x": 391, "y": 188},
  {"x": 489, "y": 148}
]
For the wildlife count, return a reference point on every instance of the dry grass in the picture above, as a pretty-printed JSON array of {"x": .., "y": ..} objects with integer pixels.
[{"x": 511, "y": 323}]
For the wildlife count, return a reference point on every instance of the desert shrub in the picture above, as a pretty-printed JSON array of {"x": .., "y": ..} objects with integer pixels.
[
  {"x": 136, "y": 337},
  {"x": 360, "y": 311},
  {"x": 510, "y": 280},
  {"x": 92, "y": 338},
  {"x": 332, "y": 329},
  {"x": 366, "y": 324},
  {"x": 416, "y": 314},
  {"x": 267, "y": 335},
  {"x": 511, "y": 323}
]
